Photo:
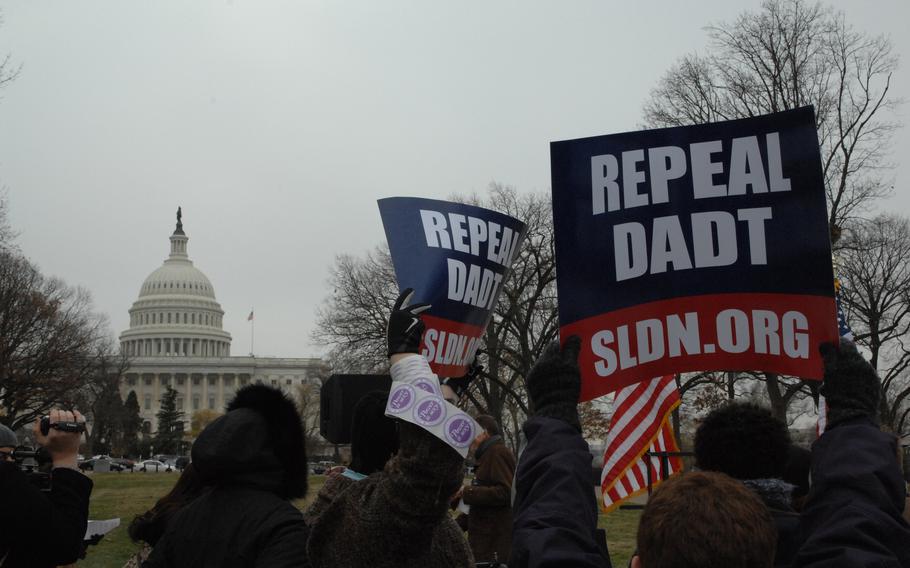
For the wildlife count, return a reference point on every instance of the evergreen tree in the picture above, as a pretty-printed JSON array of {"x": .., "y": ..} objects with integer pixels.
[
  {"x": 107, "y": 412},
  {"x": 170, "y": 424},
  {"x": 131, "y": 424}
]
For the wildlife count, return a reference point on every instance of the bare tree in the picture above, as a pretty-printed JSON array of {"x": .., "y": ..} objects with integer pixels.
[
  {"x": 789, "y": 54},
  {"x": 7, "y": 233},
  {"x": 525, "y": 319},
  {"x": 8, "y": 69},
  {"x": 50, "y": 341},
  {"x": 875, "y": 270},
  {"x": 353, "y": 319}
]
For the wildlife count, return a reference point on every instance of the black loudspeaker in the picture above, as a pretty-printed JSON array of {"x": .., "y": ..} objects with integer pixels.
[{"x": 337, "y": 399}]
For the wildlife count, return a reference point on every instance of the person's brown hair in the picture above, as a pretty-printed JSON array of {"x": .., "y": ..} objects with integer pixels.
[
  {"x": 489, "y": 424},
  {"x": 705, "y": 520}
]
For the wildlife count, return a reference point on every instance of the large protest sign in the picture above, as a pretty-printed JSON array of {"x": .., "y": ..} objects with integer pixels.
[
  {"x": 455, "y": 257},
  {"x": 694, "y": 248}
]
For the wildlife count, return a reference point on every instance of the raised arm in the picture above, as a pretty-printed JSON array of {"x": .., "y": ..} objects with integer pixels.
[
  {"x": 853, "y": 513},
  {"x": 554, "y": 510}
]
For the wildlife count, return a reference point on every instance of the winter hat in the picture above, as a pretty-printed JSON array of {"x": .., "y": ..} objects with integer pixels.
[
  {"x": 744, "y": 441},
  {"x": 554, "y": 383},
  {"x": 7, "y": 437},
  {"x": 374, "y": 436},
  {"x": 260, "y": 440}
]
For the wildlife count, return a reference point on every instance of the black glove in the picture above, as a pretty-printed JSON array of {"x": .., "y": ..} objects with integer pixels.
[
  {"x": 460, "y": 384},
  {"x": 405, "y": 327},
  {"x": 554, "y": 382},
  {"x": 851, "y": 387}
]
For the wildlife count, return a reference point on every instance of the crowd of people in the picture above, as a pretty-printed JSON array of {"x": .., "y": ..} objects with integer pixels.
[{"x": 754, "y": 500}]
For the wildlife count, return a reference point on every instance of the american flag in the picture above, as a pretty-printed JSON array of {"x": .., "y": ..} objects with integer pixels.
[
  {"x": 843, "y": 329},
  {"x": 640, "y": 423}
]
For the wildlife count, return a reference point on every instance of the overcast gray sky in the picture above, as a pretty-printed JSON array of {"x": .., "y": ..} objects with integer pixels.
[{"x": 277, "y": 125}]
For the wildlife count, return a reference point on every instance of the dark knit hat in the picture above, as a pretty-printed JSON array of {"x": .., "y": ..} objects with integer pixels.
[
  {"x": 743, "y": 440},
  {"x": 259, "y": 441}
]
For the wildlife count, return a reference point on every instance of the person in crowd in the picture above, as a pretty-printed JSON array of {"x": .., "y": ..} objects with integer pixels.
[
  {"x": 555, "y": 514},
  {"x": 397, "y": 518},
  {"x": 852, "y": 516},
  {"x": 254, "y": 457},
  {"x": 8, "y": 443},
  {"x": 43, "y": 529},
  {"x": 489, "y": 521},
  {"x": 705, "y": 520},
  {"x": 746, "y": 442},
  {"x": 148, "y": 527},
  {"x": 374, "y": 440}
]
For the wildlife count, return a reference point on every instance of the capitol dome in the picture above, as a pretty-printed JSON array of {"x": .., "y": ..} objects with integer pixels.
[{"x": 176, "y": 313}]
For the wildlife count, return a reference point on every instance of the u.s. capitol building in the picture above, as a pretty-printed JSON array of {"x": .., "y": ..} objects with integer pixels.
[{"x": 176, "y": 339}]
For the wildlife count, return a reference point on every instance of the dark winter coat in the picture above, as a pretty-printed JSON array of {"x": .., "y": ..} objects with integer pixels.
[
  {"x": 42, "y": 529},
  {"x": 254, "y": 457},
  {"x": 489, "y": 523},
  {"x": 554, "y": 509},
  {"x": 852, "y": 517},
  {"x": 396, "y": 518}
]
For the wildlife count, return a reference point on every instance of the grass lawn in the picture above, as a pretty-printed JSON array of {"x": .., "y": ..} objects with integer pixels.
[
  {"x": 621, "y": 527},
  {"x": 125, "y": 495}
]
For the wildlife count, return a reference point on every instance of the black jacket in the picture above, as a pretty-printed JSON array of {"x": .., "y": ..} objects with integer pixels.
[
  {"x": 234, "y": 526},
  {"x": 555, "y": 513},
  {"x": 788, "y": 536},
  {"x": 42, "y": 529},
  {"x": 247, "y": 519},
  {"x": 852, "y": 517}
]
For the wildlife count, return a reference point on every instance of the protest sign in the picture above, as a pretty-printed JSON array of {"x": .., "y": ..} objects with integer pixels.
[
  {"x": 455, "y": 257},
  {"x": 694, "y": 248}
]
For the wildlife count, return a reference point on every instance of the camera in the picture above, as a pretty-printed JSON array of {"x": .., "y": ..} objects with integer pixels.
[
  {"x": 46, "y": 426},
  {"x": 32, "y": 462}
]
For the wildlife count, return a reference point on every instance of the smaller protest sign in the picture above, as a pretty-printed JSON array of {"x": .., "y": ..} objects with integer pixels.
[
  {"x": 703, "y": 247},
  {"x": 455, "y": 257}
]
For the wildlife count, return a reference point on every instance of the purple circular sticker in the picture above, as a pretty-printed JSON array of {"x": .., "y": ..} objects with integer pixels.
[
  {"x": 459, "y": 431},
  {"x": 431, "y": 411},
  {"x": 425, "y": 385},
  {"x": 401, "y": 399}
]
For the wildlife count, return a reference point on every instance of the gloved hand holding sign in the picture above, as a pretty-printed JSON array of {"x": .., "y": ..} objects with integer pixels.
[{"x": 405, "y": 326}]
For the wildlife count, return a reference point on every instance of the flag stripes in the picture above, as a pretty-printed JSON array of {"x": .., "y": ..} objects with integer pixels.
[{"x": 640, "y": 423}]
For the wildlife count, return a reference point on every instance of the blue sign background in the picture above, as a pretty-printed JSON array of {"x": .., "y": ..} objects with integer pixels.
[
  {"x": 424, "y": 268},
  {"x": 798, "y": 248}
]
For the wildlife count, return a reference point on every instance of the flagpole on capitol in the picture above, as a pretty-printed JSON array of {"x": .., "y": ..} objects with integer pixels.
[{"x": 252, "y": 331}]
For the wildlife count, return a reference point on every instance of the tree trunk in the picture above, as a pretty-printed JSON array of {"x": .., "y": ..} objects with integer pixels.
[
  {"x": 675, "y": 417},
  {"x": 776, "y": 397},
  {"x": 731, "y": 384}
]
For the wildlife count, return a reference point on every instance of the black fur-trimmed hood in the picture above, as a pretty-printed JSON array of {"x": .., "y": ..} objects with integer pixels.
[{"x": 259, "y": 442}]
